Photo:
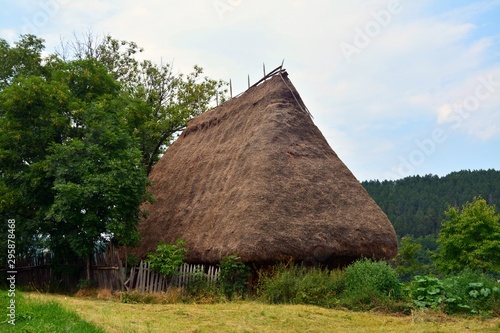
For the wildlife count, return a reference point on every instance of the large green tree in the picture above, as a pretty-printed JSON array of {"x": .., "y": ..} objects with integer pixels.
[
  {"x": 470, "y": 238},
  {"x": 164, "y": 101},
  {"x": 79, "y": 135},
  {"x": 72, "y": 170}
]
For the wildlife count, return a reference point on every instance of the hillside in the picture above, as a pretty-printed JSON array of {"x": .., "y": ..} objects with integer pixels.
[{"x": 415, "y": 205}]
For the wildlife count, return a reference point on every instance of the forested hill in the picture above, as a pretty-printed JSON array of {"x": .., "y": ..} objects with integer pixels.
[{"x": 415, "y": 205}]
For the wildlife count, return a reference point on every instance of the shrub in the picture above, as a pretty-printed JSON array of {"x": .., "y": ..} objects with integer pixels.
[
  {"x": 370, "y": 283},
  {"x": 292, "y": 284},
  {"x": 319, "y": 287},
  {"x": 233, "y": 276},
  {"x": 198, "y": 285},
  {"x": 469, "y": 238},
  {"x": 168, "y": 258},
  {"x": 427, "y": 292},
  {"x": 364, "y": 284},
  {"x": 468, "y": 292},
  {"x": 471, "y": 292},
  {"x": 280, "y": 285}
]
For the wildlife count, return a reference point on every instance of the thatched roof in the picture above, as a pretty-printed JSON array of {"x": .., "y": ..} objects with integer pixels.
[{"x": 255, "y": 177}]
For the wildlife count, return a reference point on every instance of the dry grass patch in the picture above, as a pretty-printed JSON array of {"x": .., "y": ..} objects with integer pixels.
[
  {"x": 171, "y": 296},
  {"x": 258, "y": 317},
  {"x": 113, "y": 316}
]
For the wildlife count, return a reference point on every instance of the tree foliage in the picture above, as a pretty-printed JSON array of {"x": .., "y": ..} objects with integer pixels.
[
  {"x": 470, "y": 238},
  {"x": 406, "y": 262},
  {"x": 163, "y": 101},
  {"x": 71, "y": 167},
  {"x": 79, "y": 133},
  {"x": 415, "y": 205},
  {"x": 23, "y": 59}
]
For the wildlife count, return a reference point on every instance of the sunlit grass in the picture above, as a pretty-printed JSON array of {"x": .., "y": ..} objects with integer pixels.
[
  {"x": 248, "y": 316},
  {"x": 41, "y": 315}
]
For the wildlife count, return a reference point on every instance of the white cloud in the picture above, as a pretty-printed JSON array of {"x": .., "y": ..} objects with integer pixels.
[{"x": 427, "y": 59}]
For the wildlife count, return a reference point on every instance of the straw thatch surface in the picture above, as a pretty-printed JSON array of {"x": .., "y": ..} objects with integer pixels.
[{"x": 255, "y": 177}]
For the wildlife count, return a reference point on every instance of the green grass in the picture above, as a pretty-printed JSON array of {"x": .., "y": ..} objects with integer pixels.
[
  {"x": 249, "y": 316},
  {"x": 41, "y": 315}
]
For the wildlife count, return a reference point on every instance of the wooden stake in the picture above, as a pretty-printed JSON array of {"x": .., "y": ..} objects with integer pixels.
[{"x": 230, "y": 88}]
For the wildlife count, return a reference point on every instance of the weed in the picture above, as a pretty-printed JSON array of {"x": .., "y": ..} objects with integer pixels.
[
  {"x": 233, "y": 276},
  {"x": 370, "y": 284},
  {"x": 427, "y": 292},
  {"x": 292, "y": 284},
  {"x": 171, "y": 296},
  {"x": 468, "y": 292}
]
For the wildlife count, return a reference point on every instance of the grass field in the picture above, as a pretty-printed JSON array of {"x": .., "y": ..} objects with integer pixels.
[
  {"x": 247, "y": 316},
  {"x": 41, "y": 315}
]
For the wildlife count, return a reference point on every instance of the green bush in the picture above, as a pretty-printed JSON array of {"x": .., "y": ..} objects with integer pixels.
[
  {"x": 293, "y": 284},
  {"x": 370, "y": 283},
  {"x": 280, "y": 285},
  {"x": 198, "y": 285},
  {"x": 233, "y": 276},
  {"x": 427, "y": 292},
  {"x": 168, "y": 258},
  {"x": 467, "y": 292},
  {"x": 363, "y": 285},
  {"x": 320, "y": 287},
  {"x": 471, "y": 292}
]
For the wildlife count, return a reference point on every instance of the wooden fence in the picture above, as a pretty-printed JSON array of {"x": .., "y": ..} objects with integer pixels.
[
  {"x": 41, "y": 272},
  {"x": 106, "y": 271},
  {"x": 35, "y": 270},
  {"x": 144, "y": 279}
]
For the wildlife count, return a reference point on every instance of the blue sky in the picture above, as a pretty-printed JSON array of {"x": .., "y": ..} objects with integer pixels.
[{"x": 398, "y": 88}]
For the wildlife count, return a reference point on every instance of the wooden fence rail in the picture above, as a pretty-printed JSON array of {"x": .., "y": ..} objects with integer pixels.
[
  {"x": 144, "y": 279},
  {"x": 107, "y": 271}
]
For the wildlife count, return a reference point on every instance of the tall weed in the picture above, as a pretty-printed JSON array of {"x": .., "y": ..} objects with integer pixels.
[
  {"x": 292, "y": 284},
  {"x": 471, "y": 292},
  {"x": 370, "y": 284}
]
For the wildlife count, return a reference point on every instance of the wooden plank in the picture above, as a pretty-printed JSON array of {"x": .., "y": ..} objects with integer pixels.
[
  {"x": 145, "y": 281},
  {"x": 151, "y": 278},
  {"x": 140, "y": 274},
  {"x": 209, "y": 275},
  {"x": 130, "y": 284},
  {"x": 105, "y": 268},
  {"x": 160, "y": 283},
  {"x": 121, "y": 273},
  {"x": 155, "y": 282}
]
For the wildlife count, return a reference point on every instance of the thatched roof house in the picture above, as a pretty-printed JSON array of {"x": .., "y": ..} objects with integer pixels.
[{"x": 255, "y": 177}]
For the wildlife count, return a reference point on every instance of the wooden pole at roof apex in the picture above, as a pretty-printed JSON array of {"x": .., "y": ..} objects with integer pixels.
[
  {"x": 264, "y": 68},
  {"x": 230, "y": 88},
  {"x": 248, "y": 80}
]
